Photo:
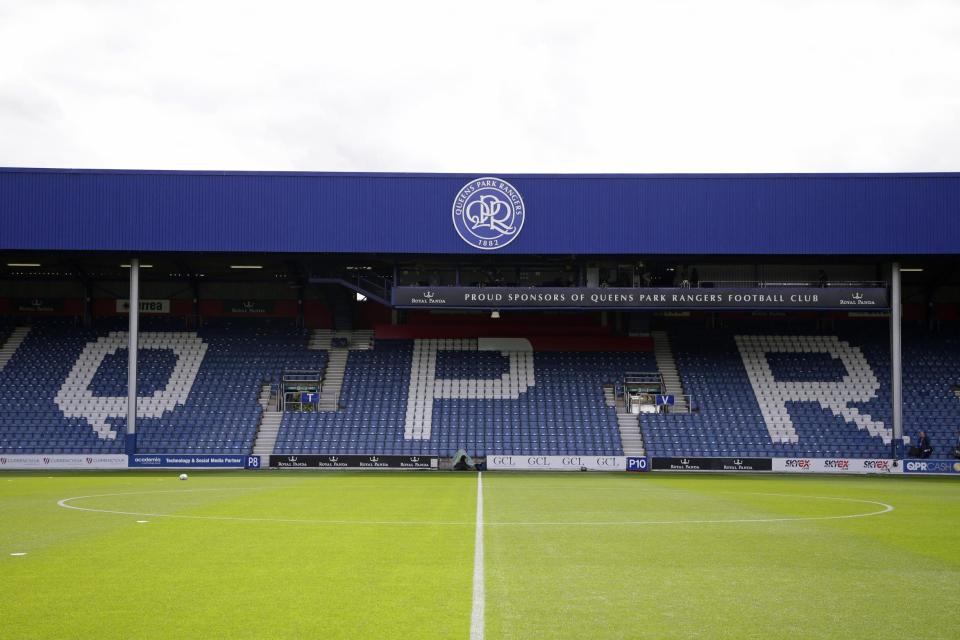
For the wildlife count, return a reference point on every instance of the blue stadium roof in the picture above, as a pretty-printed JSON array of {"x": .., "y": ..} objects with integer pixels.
[{"x": 676, "y": 214}]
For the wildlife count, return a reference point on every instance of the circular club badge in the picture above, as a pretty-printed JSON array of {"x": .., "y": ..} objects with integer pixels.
[{"x": 488, "y": 213}]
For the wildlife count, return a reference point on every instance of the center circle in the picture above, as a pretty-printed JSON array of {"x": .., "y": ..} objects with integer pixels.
[{"x": 75, "y": 503}]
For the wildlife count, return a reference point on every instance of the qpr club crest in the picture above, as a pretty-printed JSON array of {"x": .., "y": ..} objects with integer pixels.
[{"x": 488, "y": 213}]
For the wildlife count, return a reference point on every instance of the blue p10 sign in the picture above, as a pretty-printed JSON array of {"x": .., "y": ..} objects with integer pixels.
[{"x": 638, "y": 464}]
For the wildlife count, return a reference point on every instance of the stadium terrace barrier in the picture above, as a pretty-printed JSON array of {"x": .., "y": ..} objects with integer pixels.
[
  {"x": 835, "y": 465},
  {"x": 711, "y": 464},
  {"x": 164, "y": 461},
  {"x": 351, "y": 462},
  {"x": 940, "y": 467},
  {"x": 466, "y": 329},
  {"x": 63, "y": 461},
  {"x": 556, "y": 463}
]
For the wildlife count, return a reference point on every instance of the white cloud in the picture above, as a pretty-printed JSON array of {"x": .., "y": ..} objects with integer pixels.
[{"x": 678, "y": 85}]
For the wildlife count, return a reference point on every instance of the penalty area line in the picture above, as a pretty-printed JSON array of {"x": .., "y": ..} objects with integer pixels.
[{"x": 479, "y": 599}]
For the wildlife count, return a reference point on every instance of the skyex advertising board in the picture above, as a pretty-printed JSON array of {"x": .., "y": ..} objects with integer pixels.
[
  {"x": 167, "y": 461},
  {"x": 711, "y": 464},
  {"x": 63, "y": 461},
  {"x": 556, "y": 463},
  {"x": 835, "y": 465},
  {"x": 310, "y": 461},
  {"x": 846, "y": 298},
  {"x": 949, "y": 467}
]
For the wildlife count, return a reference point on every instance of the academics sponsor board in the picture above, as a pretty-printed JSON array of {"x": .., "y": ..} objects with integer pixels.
[
  {"x": 845, "y": 298},
  {"x": 163, "y": 461},
  {"x": 711, "y": 464},
  {"x": 556, "y": 463},
  {"x": 146, "y": 306},
  {"x": 948, "y": 467},
  {"x": 311, "y": 461},
  {"x": 835, "y": 465},
  {"x": 63, "y": 461}
]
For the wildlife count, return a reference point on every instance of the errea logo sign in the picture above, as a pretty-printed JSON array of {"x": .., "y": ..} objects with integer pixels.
[{"x": 488, "y": 213}]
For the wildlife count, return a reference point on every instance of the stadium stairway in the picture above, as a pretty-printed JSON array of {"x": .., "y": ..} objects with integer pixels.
[
  {"x": 11, "y": 345},
  {"x": 631, "y": 437},
  {"x": 667, "y": 366},
  {"x": 333, "y": 380},
  {"x": 338, "y": 343}
]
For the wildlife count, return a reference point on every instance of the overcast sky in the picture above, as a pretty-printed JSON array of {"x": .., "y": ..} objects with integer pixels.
[{"x": 482, "y": 86}]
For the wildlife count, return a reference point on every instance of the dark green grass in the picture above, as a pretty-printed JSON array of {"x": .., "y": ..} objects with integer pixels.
[{"x": 350, "y": 555}]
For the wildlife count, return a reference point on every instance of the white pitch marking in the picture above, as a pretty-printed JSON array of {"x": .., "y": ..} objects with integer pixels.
[
  {"x": 479, "y": 599},
  {"x": 65, "y": 504},
  {"x": 18, "y": 554},
  {"x": 142, "y": 521}
]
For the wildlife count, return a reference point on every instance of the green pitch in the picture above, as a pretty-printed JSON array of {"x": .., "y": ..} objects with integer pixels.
[{"x": 377, "y": 555}]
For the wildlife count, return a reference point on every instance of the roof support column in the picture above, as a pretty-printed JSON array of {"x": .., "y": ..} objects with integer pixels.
[
  {"x": 130, "y": 443},
  {"x": 896, "y": 361}
]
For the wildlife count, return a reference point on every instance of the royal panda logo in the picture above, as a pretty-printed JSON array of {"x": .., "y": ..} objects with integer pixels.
[
  {"x": 89, "y": 460},
  {"x": 488, "y": 213}
]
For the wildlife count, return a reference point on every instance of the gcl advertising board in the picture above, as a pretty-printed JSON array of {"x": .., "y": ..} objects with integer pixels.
[{"x": 557, "y": 463}]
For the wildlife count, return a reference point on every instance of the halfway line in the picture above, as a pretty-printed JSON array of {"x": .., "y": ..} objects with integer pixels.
[{"x": 479, "y": 601}]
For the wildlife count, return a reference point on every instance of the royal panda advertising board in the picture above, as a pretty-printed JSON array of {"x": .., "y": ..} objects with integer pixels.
[
  {"x": 690, "y": 463},
  {"x": 556, "y": 463},
  {"x": 837, "y": 465}
]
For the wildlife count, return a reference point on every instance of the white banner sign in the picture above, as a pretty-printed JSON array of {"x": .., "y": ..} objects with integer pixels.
[
  {"x": 63, "y": 461},
  {"x": 557, "y": 463},
  {"x": 835, "y": 465},
  {"x": 146, "y": 306}
]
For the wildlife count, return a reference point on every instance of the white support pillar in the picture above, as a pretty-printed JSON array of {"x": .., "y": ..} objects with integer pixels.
[
  {"x": 896, "y": 361},
  {"x": 132, "y": 336}
]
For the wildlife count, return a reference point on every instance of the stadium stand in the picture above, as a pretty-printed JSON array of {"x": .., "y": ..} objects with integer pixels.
[
  {"x": 784, "y": 393},
  {"x": 514, "y": 402},
  {"x": 808, "y": 395},
  {"x": 64, "y": 389}
]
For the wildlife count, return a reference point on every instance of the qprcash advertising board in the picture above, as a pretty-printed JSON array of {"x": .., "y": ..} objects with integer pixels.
[
  {"x": 556, "y": 463},
  {"x": 939, "y": 467}
]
